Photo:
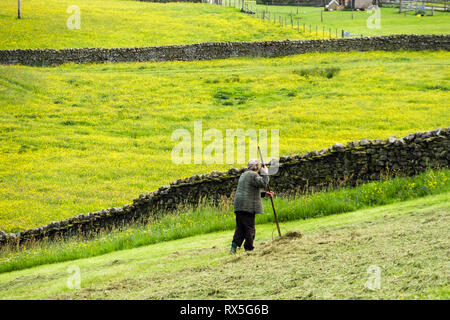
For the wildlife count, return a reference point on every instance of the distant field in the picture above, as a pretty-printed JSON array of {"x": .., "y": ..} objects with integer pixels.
[
  {"x": 121, "y": 23},
  {"x": 391, "y": 21},
  {"x": 79, "y": 138}
]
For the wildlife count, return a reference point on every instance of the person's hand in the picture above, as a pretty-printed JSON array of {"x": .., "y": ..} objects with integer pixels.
[
  {"x": 265, "y": 170},
  {"x": 270, "y": 194}
]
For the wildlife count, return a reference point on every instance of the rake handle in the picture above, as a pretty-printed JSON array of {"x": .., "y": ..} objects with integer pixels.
[
  {"x": 271, "y": 199},
  {"x": 274, "y": 213}
]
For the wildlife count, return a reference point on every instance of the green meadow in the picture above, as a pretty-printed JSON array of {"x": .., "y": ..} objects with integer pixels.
[
  {"x": 79, "y": 138},
  {"x": 122, "y": 23},
  {"x": 356, "y": 22},
  {"x": 322, "y": 258},
  {"x": 188, "y": 222}
]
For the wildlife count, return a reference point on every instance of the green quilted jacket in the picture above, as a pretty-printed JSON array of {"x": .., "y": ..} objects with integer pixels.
[{"x": 248, "y": 193}]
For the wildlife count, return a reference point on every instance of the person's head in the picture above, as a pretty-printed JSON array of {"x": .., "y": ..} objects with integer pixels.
[{"x": 254, "y": 165}]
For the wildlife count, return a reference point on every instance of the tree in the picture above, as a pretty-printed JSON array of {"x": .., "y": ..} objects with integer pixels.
[{"x": 18, "y": 10}]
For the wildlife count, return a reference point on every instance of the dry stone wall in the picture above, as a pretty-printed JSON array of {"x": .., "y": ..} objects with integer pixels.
[
  {"x": 222, "y": 50},
  {"x": 351, "y": 164}
]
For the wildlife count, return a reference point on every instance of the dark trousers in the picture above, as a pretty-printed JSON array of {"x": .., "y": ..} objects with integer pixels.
[{"x": 245, "y": 230}]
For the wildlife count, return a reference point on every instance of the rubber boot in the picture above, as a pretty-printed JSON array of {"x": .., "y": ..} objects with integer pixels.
[{"x": 233, "y": 247}]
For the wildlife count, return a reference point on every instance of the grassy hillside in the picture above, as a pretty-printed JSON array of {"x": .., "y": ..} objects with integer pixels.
[
  {"x": 121, "y": 23},
  {"x": 207, "y": 219},
  {"x": 407, "y": 241},
  {"x": 390, "y": 21},
  {"x": 79, "y": 138}
]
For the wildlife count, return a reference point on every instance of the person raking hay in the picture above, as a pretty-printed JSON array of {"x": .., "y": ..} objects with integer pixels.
[{"x": 247, "y": 203}]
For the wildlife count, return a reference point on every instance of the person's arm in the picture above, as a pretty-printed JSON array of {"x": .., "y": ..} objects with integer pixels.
[
  {"x": 266, "y": 193},
  {"x": 261, "y": 181}
]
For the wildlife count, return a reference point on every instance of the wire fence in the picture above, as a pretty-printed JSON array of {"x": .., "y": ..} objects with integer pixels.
[
  {"x": 418, "y": 6},
  {"x": 286, "y": 20}
]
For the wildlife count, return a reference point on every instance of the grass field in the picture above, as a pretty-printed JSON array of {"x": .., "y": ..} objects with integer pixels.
[
  {"x": 79, "y": 138},
  {"x": 391, "y": 21},
  {"x": 207, "y": 219},
  {"x": 407, "y": 241},
  {"x": 122, "y": 23}
]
